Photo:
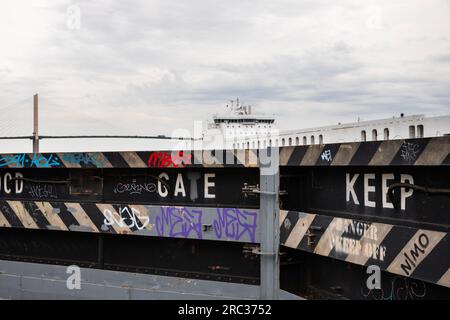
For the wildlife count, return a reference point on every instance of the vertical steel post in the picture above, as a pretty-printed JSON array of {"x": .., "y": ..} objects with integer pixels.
[
  {"x": 35, "y": 124},
  {"x": 269, "y": 223}
]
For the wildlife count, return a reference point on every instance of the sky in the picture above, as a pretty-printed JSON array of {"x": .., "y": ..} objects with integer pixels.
[{"x": 152, "y": 67}]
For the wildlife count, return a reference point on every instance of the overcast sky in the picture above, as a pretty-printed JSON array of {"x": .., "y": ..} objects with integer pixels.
[{"x": 149, "y": 67}]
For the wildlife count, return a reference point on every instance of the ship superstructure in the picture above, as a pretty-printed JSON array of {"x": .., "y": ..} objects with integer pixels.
[{"x": 239, "y": 128}]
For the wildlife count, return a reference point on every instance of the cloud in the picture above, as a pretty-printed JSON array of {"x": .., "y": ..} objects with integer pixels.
[{"x": 150, "y": 67}]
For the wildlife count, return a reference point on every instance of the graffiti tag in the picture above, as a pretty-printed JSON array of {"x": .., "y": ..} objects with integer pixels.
[
  {"x": 82, "y": 159},
  {"x": 43, "y": 191},
  {"x": 167, "y": 159},
  {"x": 134, "y": 187},
  {"x": 400, "y": 289},
  {"x": 326, "y": 155},
  {"x": 128, "y": 217},
  {"x": 234, "y": 224},
  {"x": 409, "y": 151},
  {"x": 179, "y": 222},
  {"x": 37, "y": 160}
]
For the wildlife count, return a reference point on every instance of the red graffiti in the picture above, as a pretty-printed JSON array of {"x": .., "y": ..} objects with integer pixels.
[{"x": 169, "y": 159}]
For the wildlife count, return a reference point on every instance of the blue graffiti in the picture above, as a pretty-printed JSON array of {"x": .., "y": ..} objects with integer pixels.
[
  {"x": 234, "y": 224},
  {"x": 180, "y": 221},
  {"x": 37, "y": 160},
  {"x": 82, "y": 159}
]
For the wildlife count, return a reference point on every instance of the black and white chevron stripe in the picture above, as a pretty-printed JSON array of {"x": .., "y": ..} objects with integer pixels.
[
  {"x": 417, "y": 253},
  {"x": 208, "y": 223},
  {"x": 424, "y": 151}
]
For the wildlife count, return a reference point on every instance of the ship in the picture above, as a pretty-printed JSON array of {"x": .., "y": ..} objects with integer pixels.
[{"x": 239, "y": 128}]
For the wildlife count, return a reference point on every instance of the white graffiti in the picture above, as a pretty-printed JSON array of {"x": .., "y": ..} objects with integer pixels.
[
  {"x": 326, "y": 155},
  {"x": 43, "y": 191},
  {"x": 409, "y": 151},
  {"x": 134, "y": 187},
  {"x": 126, "y": 217}
]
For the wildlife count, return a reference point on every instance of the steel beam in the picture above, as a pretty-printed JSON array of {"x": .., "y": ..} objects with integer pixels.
[{"x": 269, "y": 225}]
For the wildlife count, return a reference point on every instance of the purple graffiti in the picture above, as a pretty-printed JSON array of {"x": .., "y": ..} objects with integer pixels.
[
  {"x": 180, "y": 222},
  {"x": 235, "y": 223}
]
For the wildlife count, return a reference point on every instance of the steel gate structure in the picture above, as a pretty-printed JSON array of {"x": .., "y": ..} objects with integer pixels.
[
  {"x": 175, "y": 215},
  {"x": 207, "y": 223},
  {"x": 383, "y": 204}
]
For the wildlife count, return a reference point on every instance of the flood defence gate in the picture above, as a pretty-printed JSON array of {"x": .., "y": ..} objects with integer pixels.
[
  {"x": 184, "y": 214},
  {"x": 321, "y": 221},
  {"x": 356, "y": 209}
]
